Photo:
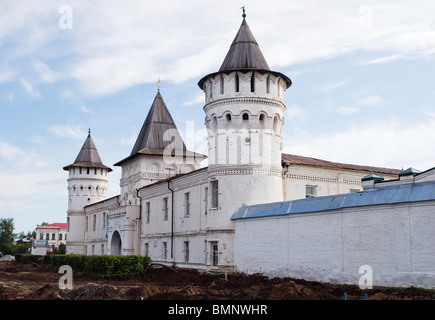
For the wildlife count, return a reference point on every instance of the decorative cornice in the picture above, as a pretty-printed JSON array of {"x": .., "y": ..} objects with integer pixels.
[
  {"x": 220, "y": 171},
  {"x": 321, "y": 179},
  {"x": 242, "y": 100}
]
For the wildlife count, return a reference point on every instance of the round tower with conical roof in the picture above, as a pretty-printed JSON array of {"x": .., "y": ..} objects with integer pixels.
[
  {"x": 244, "y": 114},
  {"x": 87, "y": 184}
]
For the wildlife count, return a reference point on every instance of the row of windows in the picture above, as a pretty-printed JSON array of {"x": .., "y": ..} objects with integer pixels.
[
  {"x": 237, "y": 85},
  {"x": 53, "y": 236},
  {"x": 245, "y": 121},
  {"x": 214, "y": 251},
  {"x": 311, "y": 191},
  {"x": 89, "y": 170},
  {"x": 165, "y": 208},
  {"x": 187, "y": 204},
  {"x": 94, "y": 222}
]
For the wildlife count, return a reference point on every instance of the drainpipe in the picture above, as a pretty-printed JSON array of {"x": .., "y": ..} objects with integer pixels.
[
  {"x": 284, "y": 191},
  {"x": 172, "y": 219},
  {"x": 139, "y": 227}
]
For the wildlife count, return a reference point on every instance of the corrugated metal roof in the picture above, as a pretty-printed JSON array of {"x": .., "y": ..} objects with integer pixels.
[
  {"x": 307, "y": 161},
  {"x": 88, "y": 156},
  {"x": 403, "y": 193}
]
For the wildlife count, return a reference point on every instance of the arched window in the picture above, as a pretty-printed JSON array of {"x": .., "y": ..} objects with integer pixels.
[
  {"x": 245, "y": 117},
  {"x": 261, "y": 121},
  {"x": 275, "y": 124},
  {"x": 253, "y": 82},
  {"x": 228, "y": 117},
  {"x": 236, "y": 82}
]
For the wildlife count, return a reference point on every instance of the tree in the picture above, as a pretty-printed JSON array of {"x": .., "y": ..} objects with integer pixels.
[{"x": 6, "y": 235}]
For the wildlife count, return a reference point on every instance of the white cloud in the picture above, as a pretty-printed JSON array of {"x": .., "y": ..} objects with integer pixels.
[
  {"x": 371, "y": 100},
  {"x": 381, "y": 143},
  {"x": 10, "y": 152},
  {"x": 199, "y": 98},
  {"x": 44, "y": 71},
  {"x": 29, "y": 88},
  {"x": 332, "y": 85},
  {"x": 387, "y": 59},
  {"x": 66, "y": 131},
  {"x": 347, "y": 110},
  {"x": 32, "y": 184},
  {"x": 294, "y": 112},
  {"x": 113, "y": 47},
  {"x": 84, "y": 109}
]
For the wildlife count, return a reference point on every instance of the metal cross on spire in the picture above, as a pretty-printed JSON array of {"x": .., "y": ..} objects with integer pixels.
[
  {"x": 158, "y": 85},
  {"x": 244, "y": 13}
]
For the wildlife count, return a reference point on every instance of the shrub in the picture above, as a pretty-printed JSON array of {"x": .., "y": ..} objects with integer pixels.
[{"x": 107, "y": 265}]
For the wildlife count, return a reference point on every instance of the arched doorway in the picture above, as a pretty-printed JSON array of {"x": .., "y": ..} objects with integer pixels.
[{"x": 116, "y": 244}]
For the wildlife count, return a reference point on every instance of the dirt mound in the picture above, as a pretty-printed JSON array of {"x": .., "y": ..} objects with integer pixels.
[{"x": 34, "y": 282}]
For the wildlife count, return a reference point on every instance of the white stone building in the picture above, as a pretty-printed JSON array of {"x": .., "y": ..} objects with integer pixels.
[
  {"x": 174, "y": 211},
  {"x": 383, "y": 234},
  {"x": 54, "y": 233}
]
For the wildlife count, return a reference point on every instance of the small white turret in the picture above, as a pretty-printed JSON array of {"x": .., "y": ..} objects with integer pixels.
[{"x": 87, "y": 184}]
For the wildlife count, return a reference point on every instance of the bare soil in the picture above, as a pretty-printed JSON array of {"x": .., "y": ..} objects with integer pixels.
[{"x": 34, "y": 282}]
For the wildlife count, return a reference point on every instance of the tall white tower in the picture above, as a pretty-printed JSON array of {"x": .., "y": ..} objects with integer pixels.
[
  {"x": 87, "y": 184},
  {"x": 244, "y": 114}
]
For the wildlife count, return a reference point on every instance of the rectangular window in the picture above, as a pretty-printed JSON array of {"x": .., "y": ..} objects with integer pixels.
[
  {"x": 60, "y": 236},
  {"x": 41, "y": 236},
  {"x": 102, "y": 249},
  {"x": 310, "y": 191},
  {"x": 214, "y": 194},
  {"x": 47, "y": 236},
  {"x": 214, "y": 254},
  {"x": 165, "y": 250},
  {"x": 206, "y": 200},
  {"x": 104, "y": 221},
  {"x": 186, "y": 251},
  {"x": 187, "y": 204},
  {"x": 165, "y": 209},
  {"x": 94, "y": 222},
  {"x": 148, "y": 212},
  {"x": 53, "y": 236},
  {"x": 146, "y": 254}
]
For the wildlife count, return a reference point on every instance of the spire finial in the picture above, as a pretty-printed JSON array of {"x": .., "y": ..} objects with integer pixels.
[
  {"x": 89, "y": 131},
  {"x": 158, "y": 85},
  {"x": 244, "y": 13}
]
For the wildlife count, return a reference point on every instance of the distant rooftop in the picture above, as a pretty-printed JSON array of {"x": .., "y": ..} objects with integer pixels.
[{"x": 307, "y": 161}]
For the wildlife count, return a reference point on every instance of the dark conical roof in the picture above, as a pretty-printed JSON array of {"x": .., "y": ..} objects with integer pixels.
[
  {"x": 151, "y": 136},
  {"x": 88, "y": 156},
  {"x": 158, "y": 121},
  {"x": 244, "y": 53}
]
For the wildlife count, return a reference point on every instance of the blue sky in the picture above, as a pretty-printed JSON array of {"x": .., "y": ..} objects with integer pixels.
[{"x": 363, "y": 82}]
